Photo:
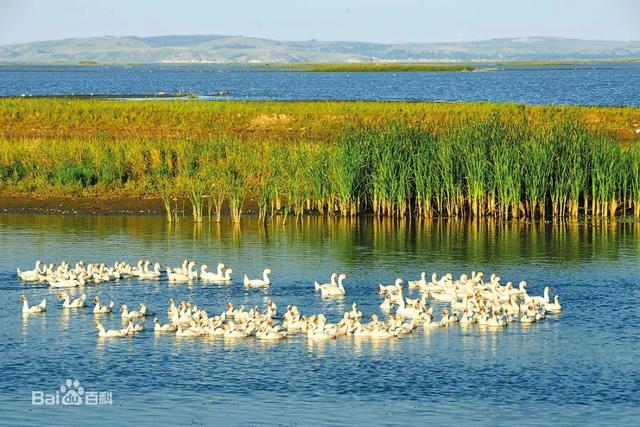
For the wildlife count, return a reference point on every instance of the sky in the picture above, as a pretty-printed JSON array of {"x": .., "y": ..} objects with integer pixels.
[{"x": 385, "y": 21}]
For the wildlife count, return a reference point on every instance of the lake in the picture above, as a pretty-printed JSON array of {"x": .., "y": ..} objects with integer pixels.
[
  {"x": 613, "y": 84},
  {"x": 576, "y": 368}
]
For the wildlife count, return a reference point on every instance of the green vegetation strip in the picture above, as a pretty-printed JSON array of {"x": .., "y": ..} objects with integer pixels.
[
  {"x": 379, "y": 67},
  {"x": 389, "y": 159}
]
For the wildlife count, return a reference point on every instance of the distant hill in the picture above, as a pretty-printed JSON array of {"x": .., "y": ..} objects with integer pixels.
[{"x": 238, "y": 49}]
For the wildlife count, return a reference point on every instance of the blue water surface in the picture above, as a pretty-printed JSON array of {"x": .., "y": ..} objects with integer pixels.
[
  {"x": 576, "y": 368},
  {"x": 614, "y": 84}
]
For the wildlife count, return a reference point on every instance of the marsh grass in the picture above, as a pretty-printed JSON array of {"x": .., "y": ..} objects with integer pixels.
[
  {"x": 426, "y": 160},
  {"x": 379, "y": 67}
]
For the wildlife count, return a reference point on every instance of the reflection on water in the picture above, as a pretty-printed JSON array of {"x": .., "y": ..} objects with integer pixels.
[{"x": 585, "y": 357}]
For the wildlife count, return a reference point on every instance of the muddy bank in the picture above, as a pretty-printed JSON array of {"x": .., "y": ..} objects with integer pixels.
[
  {"x": 100, "y": 205},
  {"x": 83, "y": 205}
]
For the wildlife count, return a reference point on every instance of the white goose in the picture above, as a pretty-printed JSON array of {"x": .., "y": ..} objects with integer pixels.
[
  {"x": 418, "y": 283},
  {"x": 75, "y": 303},
  {"x": 40, "y": 308},
  {"x": 180, "y": 332},
  {"x": 146, "y": 274},
  {"x": 328, "y": 290},
  {"x": 181, "y": 275},
  {"x": 258, "y": 283},
  {"x": 101, "y": 308},
  {"x": 222, "y": 275},
  {"x": 391, "y": 289},
  {"x": 109, "y": 333},
  {"x": 67, "y": 282},
  {"x": 168, "y": 327},
  {"x": 31, "y": 275},
  {"x": 132, "y": 328},
  {"x": 264, "y": 334},
  {"x": 554, "y": 307},
  {"x": 539, "y": 299},
  {"x": 386, "y": 304},
  {"x": 355, "y": 313},
  {"x": 126, "y": 314},
  {"x": 332, "y": 282}
]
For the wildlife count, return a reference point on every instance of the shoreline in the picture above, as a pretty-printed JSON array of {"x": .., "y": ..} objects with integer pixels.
[
  {"x": 149, "y": 206},
  {"x": 83, "y": 205},
  {"x": 103, "y": 205}
]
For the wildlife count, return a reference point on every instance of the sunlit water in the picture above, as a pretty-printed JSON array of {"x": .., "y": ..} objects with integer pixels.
[
  {"x": 579, "y": 367},
  {"x": 585, "y": 84}
]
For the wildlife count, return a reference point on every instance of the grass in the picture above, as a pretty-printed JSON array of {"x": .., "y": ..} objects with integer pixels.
[
  {"x": 291, "y": 158},
  {"x": 378, "y": 67},
  {"x": 546, "y": 63},
  {"x": 279, "y": 121}
]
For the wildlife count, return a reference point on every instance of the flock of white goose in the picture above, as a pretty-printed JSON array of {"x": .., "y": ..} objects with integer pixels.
[{"x": 470, "y": 300}]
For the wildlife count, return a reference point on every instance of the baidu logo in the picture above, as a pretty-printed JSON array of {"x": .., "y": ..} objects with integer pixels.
[{"x": 71, "y": 393}]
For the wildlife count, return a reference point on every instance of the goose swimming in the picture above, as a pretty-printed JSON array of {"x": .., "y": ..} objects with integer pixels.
[
  {"x": 168, "y": 327},
  {"x": 75, "y": 303},
  {"x": 34, "y": 309},
  {"x": 100, "y": 308},
  {"x": 332, "y": 282},
  {"x": 329, "y": 290},
  {"x": 265, "y": 282},
  {"x": 154, "y": 274},
  {"x": 555, "y": 306},
  {"x": 31, "y": 275},
  {"x": 109, "y": 333},
  {"x": 418, "y": 283},
  {"x": 126, "y": 314},
  {"x": 391, "y": 289},
  {"x": 223, "y": 275}
]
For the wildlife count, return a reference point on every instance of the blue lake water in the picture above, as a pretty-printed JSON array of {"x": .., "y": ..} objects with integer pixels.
[
  {"x": 614, "y": 84},
  {"x": 576, "y": 368}
]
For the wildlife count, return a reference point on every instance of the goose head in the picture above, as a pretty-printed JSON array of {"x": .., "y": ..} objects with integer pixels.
[
  {"x": 124, "y": 308},
  {"x": 399, "y": 282},
  {"x": 96, "y": 300},
  {"x": 23, "y": 298},
  {"x": 63, "y": 296}
]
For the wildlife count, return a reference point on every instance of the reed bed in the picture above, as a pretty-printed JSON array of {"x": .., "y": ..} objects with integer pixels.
[{"x": 412, "y": 160}]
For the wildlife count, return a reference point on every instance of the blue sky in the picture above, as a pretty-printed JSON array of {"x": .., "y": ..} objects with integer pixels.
[{"x": 364, "y": 20}]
